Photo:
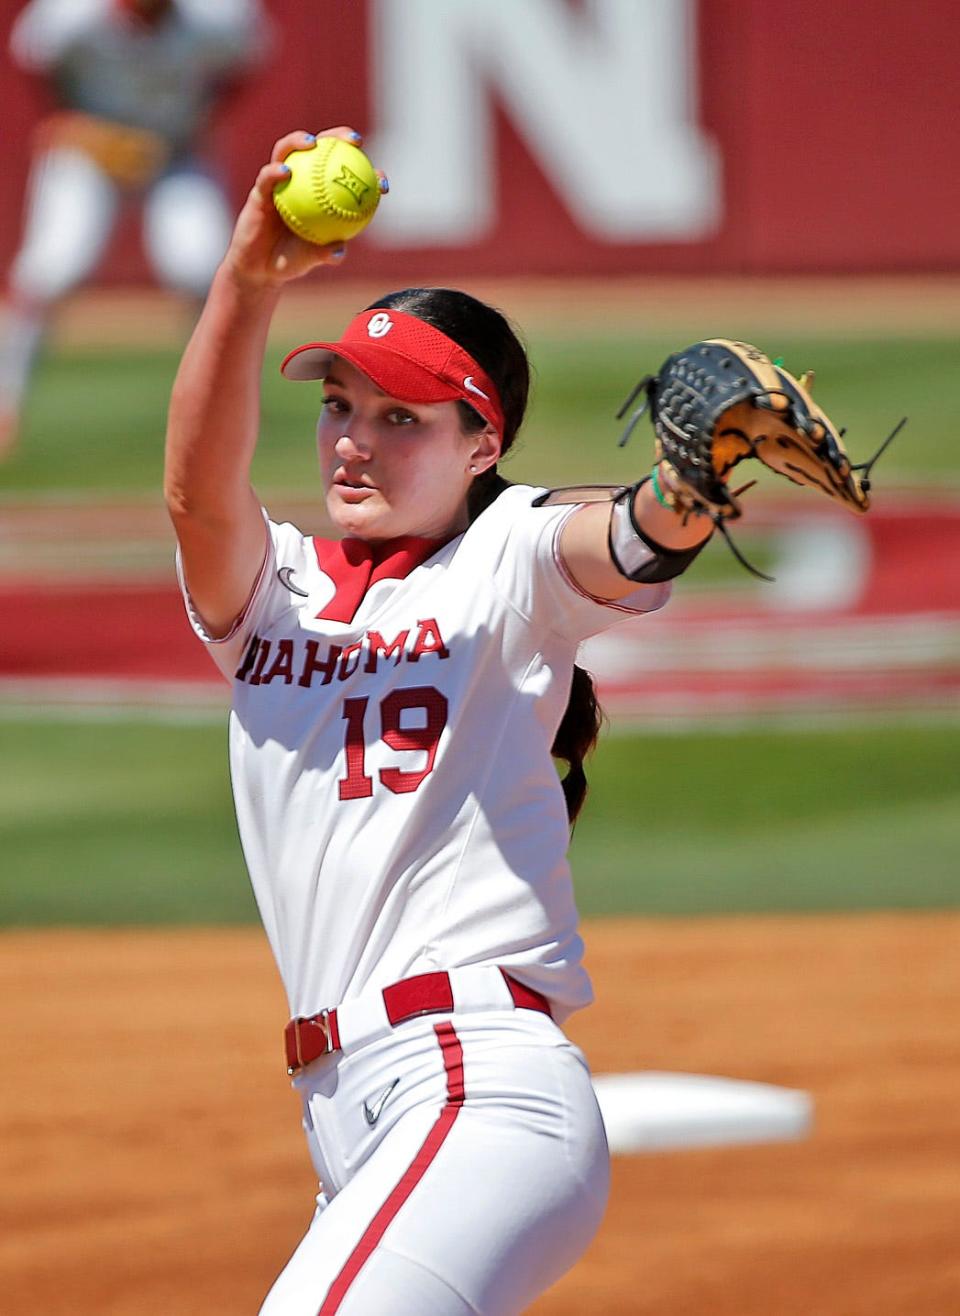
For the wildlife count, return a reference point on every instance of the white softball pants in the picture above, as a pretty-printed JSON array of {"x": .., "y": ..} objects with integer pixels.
[
  {"x": 71, "y": 211},
  {"x": 72, "y": 208},
  {"x": 463, "y": 1167}
]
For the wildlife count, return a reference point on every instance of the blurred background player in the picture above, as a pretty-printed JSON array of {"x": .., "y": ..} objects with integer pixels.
[{"x": 135, "y": 82}]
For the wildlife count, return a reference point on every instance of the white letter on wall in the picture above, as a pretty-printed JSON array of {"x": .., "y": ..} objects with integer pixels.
[{"x": 605, "y": 100}]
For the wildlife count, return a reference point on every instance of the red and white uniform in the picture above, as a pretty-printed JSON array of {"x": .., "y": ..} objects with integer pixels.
[
  {"x": 390, "y": 756},
  {"x": 400, "y": 813}
]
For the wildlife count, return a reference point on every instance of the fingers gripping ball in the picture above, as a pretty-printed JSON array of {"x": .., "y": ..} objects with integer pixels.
[{"x": 331, "y": 194}]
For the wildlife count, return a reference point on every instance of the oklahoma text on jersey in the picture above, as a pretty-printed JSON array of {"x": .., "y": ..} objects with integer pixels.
[{"x": 310, "y": 662}]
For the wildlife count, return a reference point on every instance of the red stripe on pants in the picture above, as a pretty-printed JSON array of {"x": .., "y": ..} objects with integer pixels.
[{"x": 453, "y": 1064}]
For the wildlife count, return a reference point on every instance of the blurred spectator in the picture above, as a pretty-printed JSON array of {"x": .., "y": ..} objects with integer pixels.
[{"x": 135, "y": 81}]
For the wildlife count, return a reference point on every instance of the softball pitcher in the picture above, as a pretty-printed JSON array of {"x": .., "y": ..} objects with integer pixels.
[
  {"x": 399, "y": 695},
  {"x": 135, "y": 81}
]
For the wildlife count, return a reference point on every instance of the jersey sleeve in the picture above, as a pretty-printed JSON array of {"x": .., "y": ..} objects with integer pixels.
[
  {"x": 523, "y": 541},
  {"x": 46, "y": 29},
  {"x": 269, "y": 598}
]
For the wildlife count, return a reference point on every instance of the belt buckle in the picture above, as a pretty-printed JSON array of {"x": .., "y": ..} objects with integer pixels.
[{"x": 320, "y": 1021}]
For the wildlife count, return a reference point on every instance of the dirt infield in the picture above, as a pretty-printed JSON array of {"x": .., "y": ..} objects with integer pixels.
[{"x": 152, "y": 1159}]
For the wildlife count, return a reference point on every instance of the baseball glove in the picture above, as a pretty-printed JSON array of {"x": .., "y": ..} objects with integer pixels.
[
  {"x": 718, "y": 402},
  {"x": 132, "y": 157}
]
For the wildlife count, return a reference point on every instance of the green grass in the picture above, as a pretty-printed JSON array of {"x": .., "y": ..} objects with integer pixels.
[
  {"x": 95, "y": 419},
  {"x": 94, "y": 423},
  {"x": 118, "y": 824},
  {"x": 132, "y": 824},
  {"x": 852, "y": 819}
]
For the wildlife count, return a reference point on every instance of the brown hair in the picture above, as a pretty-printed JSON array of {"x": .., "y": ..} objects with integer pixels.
[{"x": 491, "y": 340}]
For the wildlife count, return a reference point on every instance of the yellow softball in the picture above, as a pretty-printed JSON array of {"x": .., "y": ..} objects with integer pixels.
[{"x": 332, "y": 192}]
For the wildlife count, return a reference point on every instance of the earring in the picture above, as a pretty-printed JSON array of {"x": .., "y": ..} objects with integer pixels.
[{"x": 472, "y": 469}]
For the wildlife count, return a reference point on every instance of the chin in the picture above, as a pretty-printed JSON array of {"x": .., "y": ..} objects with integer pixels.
[{"x": 359, "y": 521}]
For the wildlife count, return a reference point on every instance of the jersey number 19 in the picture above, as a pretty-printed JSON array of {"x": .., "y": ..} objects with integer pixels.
[{"x": 356, "y": 785}]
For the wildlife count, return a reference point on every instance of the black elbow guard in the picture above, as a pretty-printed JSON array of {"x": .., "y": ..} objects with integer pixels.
[{"x": 635, "y": 555}]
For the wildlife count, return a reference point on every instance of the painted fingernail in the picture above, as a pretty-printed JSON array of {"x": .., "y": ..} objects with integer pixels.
[
  {"x": 285, "y": 168},
  {"x": 338, "y": 253},
  {"x": 355, "y": 136},
  {"x": 384, "y": 185},
  {"x": 311, "y": 137}
]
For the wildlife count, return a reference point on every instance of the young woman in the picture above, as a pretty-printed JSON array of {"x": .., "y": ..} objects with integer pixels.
[{"x": 399, "y": 695}]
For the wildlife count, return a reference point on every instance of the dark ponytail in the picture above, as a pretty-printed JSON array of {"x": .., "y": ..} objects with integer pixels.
[
  {"x": 488, "y": 336},
  {"x": 576, "y": 736}
]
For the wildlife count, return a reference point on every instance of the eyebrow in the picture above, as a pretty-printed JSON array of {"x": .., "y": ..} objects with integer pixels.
[{"x": 338, "y": 383}]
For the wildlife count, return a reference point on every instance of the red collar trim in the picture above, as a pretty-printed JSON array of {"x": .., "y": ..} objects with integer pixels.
[{"x": 354, "y": 565}]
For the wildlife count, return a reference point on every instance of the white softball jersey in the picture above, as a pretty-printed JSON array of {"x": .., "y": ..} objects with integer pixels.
[
  {"x": 161, "y": 77},
  {"x": 393, "y": 713}
]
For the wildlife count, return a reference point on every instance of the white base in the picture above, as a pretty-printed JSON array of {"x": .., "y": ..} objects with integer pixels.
[{"x": 666, "y": 1112}]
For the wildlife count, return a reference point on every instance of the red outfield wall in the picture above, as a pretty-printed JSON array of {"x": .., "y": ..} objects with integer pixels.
[{"x": 607, "y": 136}]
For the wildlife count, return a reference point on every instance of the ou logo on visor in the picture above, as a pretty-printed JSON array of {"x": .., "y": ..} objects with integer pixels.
[{"x": 379, "y": 324}]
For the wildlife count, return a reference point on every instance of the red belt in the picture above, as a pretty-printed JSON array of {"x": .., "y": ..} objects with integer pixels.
[{"x": 307, "y": 1039}]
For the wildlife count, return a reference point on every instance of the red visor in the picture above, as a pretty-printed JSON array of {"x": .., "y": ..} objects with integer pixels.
[{"x": 405, "y": 357}]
